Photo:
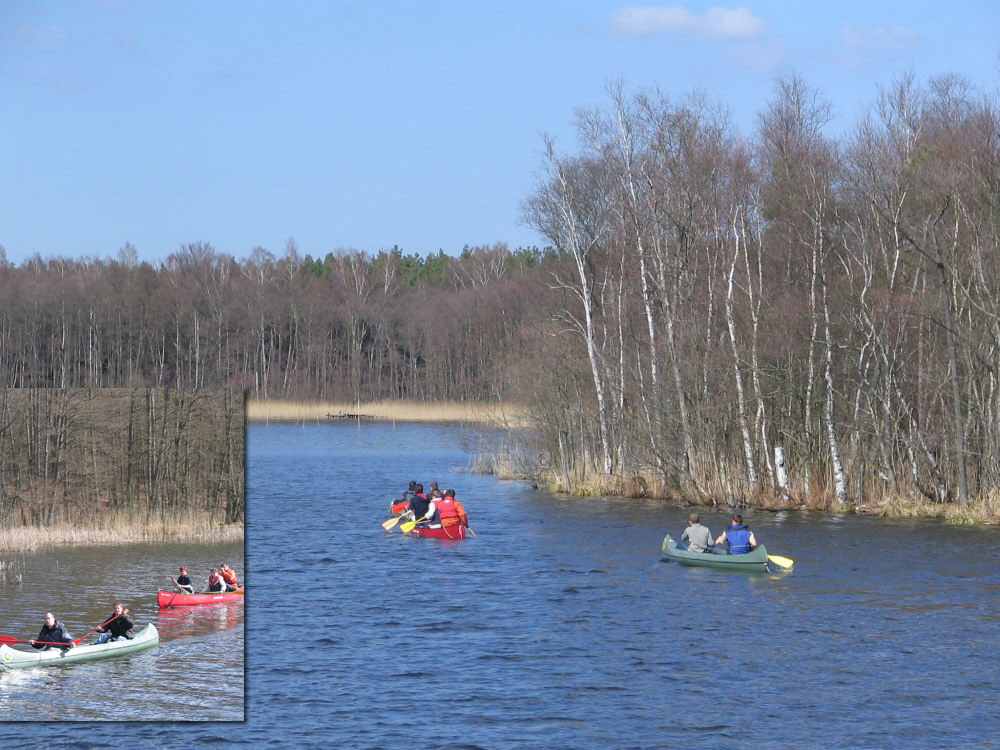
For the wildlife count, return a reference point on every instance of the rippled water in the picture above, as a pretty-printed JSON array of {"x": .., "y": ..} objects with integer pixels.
[{"x": 559, "y": 625}]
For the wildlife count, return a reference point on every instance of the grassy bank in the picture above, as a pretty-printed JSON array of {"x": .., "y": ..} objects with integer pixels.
[
  {"x": 979, "y": 511},
  {"x": 277, "y": 410},
  {"x": 116, "y": 531}
]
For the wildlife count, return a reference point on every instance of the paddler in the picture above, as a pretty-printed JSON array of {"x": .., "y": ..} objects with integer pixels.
[
  {"x": 698, "y": 537},
  {"x": 118, "y": 627},
  {"x": 53, "y": 631},
  {"x": 229, "y": 576},
  {"x": 215, "y": 582},
  {"x": 403, "y": 504},
  {"x": 446, "y": 511},
  {"x": 419, "y": 503},
  {"x": 738, "y": 536},
  {"x": 183, "y": 581}
]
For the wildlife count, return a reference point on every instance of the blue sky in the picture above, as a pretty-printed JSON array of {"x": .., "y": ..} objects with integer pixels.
[{"x": 363, "y": 125}]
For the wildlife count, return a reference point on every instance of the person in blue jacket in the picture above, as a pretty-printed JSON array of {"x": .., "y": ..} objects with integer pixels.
[{"x": 738, "y": 536}]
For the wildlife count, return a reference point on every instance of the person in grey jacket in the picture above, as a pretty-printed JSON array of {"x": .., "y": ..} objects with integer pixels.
[{"x": 698, "y": 537}]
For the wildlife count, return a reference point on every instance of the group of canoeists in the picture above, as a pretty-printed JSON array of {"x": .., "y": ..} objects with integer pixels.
[
  {"x": 221, "y": 579},
  {"x": 440, "y": 515},
  {"x": 736, "y": 548},
  {"x": 439, "y": 510},
  {"x": 119, "y": 626},
  {"x": 736, "y": 539}
]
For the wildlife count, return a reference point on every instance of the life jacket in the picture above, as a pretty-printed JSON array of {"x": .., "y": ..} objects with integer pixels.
[
  {"x": 447, "y": 513},
  {"x": 400, "y": 507},
  {"x": 739, "y": 539},
  {"x": 463, "y": 517},
  {"x": 230, "y": 577},
  {"x": 217, "y": 581}
]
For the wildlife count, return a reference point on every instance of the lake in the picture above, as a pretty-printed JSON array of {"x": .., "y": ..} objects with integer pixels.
[{"x": 559, "y": 626}]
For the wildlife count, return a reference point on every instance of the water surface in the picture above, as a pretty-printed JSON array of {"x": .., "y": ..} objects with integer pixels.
[{"x": 560, "y": 627}]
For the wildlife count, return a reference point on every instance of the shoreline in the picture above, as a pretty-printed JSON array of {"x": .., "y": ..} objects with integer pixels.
[{"x": 979, "y": 512}]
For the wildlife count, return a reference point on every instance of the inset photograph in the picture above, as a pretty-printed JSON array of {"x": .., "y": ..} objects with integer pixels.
[{"x": 122, "y": 554}]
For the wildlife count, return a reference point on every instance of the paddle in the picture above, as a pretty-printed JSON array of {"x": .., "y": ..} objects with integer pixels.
[
  {"x": 390, "y": 523},
  {"x": 9, "y": 640},
  {"x": 470, "y": 531},
  {"x": 181, "y": 588},
  {"x": 781, "y": 562},
  {"x": 409, "y": 525},
  {"x": 77, "y": 640}
]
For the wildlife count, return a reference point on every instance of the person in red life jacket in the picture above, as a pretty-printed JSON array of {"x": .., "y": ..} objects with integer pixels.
[
  {"x": 447, "y": 511},
  {"x": 738, "y": 536},
  {"x": 229, "y": 576},
  {"x": 215, "y": 581},
  {"x": 52, "y": 631}
]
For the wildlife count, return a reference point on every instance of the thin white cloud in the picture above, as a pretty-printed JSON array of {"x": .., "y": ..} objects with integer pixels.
[
  {"x": 715, "y": 23},
  {"x": 862, "y": 47}
]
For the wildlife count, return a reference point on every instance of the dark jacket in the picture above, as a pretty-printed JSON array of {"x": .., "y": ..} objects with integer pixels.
[
  {"x": 57, "y": 633},
  {"x": 118, "y": 627},
  {"x": 419, "y": 506}
]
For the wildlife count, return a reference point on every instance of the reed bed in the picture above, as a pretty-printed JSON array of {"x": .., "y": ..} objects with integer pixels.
[
  {"x": 980, "y": 511},
  {"x": 984, "y": 510},
  {"x": 117, "y": 531},
  {"x": 278, "y": 410}
]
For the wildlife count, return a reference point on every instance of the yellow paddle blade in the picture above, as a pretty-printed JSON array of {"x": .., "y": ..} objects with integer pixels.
[
  {"x": 407, "y": 527},
  {"x": 782, "y": 562},
  {"x": 390, "y": 523}
]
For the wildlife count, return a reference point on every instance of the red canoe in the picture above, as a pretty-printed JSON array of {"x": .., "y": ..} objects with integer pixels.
[
  {"x": 451, "y": 532},
  {"x": 176, "y": 599}
]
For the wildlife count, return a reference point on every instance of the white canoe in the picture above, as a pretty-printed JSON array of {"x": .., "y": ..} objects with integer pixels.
[{"x": 11, "y": 658}]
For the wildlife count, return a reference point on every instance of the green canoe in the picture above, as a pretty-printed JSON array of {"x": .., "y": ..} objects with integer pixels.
[
  {"x": 15, "y": 659},
  {"x": 756, "y": 559}
]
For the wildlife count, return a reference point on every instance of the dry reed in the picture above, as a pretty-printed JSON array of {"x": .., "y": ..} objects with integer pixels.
[
  {"x": 118, "y": 531},
  {"x": 980, "y": 511},
  {"x": 277, "y": 410}
]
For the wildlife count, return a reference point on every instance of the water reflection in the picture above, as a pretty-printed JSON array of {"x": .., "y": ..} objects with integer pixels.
[{"x": 192, "y": 622}]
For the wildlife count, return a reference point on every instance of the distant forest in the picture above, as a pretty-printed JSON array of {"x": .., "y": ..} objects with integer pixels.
[
  {"x": 770, "y": 317},
  {"x": 346, "y": 327}
]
